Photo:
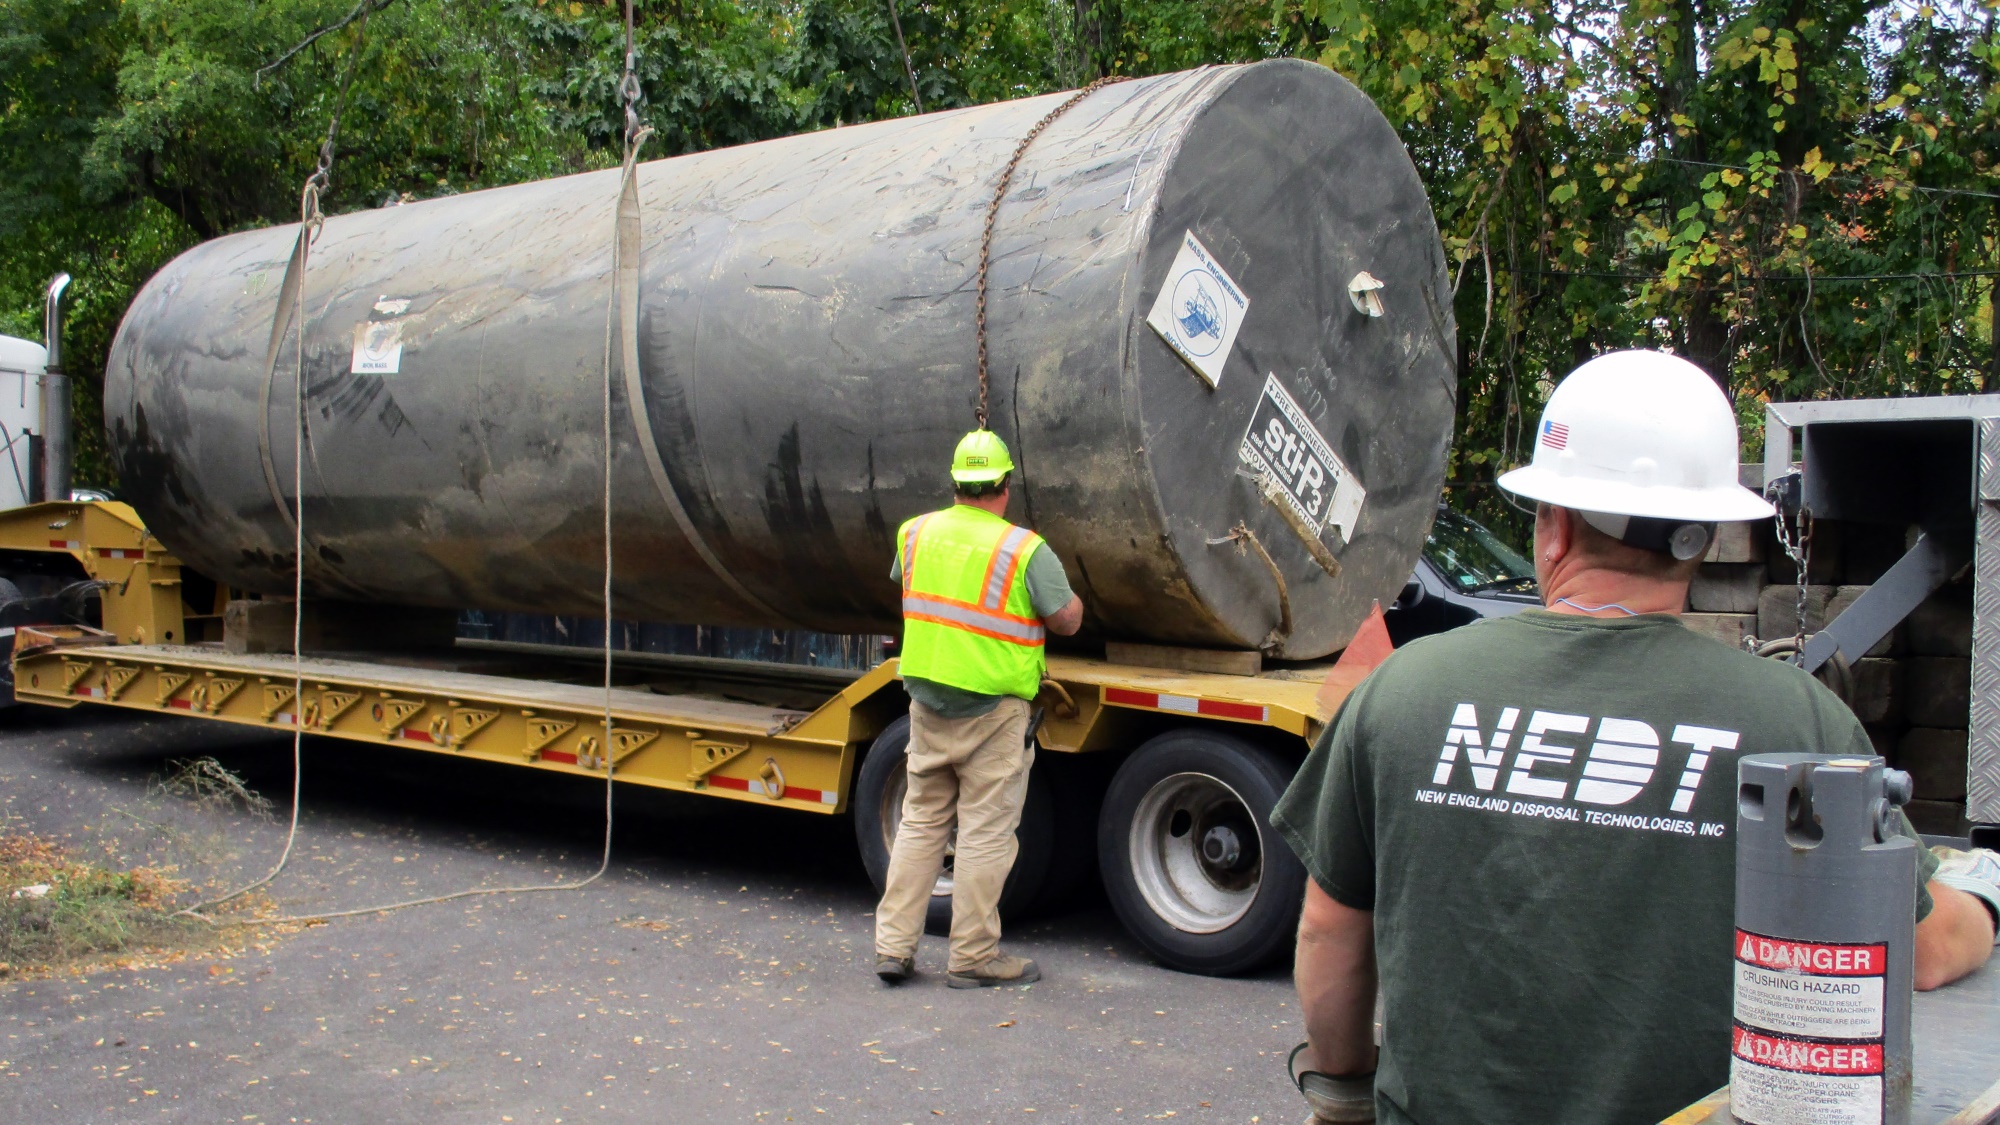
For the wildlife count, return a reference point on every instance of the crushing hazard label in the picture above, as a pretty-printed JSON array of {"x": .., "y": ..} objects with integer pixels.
[{"x": 1808, "y": 1042}]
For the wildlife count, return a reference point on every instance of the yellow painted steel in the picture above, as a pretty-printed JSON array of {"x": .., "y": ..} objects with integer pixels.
[
  {"x": 793, "y": 758},
  {"x": 768, "y": 755},
  {"x": 142, "y": 595}
]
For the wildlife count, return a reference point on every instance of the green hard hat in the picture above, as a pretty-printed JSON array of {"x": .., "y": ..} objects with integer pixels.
[{"x": 981, "y": 457}]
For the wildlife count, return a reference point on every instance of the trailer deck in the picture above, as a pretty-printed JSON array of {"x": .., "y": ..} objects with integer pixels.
[{"x": 682, "y": 730}]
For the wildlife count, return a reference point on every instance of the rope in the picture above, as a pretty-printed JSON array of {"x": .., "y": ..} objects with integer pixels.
[
  {"x": 312, "y": 220},
  {"x": 993, "y": 213}
]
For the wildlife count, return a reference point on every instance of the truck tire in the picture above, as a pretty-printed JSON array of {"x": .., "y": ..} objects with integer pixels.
[
  {"x": 878, "y": 807},
  {"x": 1191, "y": 863}
]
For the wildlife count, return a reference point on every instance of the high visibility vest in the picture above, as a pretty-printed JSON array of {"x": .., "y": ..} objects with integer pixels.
[{"x": 967, "y": 618}]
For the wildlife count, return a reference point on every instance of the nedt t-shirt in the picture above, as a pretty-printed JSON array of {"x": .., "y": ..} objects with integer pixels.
[
  {"x": 1539, "y": 810},
  {"x": 1048, "y": 591}
]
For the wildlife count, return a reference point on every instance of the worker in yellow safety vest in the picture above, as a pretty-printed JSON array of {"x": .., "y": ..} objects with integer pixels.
[{"x": 979, "y": 595}]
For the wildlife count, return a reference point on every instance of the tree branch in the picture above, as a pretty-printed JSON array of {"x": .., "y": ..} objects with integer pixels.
[{"x": 363, "y": 8}]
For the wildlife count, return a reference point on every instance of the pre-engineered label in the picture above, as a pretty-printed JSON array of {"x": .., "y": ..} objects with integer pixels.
[
  {"x": 1807, "y": 1048},
  {"x": 1284, "y": 444}
]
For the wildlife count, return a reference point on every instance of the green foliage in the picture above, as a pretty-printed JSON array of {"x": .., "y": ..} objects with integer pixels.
[{"x": 1801, "y": 198}]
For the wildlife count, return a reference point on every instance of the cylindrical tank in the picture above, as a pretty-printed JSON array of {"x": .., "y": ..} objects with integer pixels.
[{"x": 806, "y": 359}]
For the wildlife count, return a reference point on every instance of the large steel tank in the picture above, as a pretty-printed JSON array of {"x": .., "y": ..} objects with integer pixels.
[{"x": 806, "y": 362}]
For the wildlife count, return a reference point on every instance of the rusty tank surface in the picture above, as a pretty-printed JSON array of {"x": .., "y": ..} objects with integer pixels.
[{"x": 1219, "y": 312}]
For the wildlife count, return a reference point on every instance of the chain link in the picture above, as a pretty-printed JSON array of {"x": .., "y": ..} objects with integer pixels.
[
  {"x": 993, "y": 213},
  {"x": 1797, "y": 545}
]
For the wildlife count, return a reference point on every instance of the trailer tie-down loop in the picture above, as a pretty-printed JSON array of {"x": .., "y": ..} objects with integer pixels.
[{"x": 993, "y": 213}]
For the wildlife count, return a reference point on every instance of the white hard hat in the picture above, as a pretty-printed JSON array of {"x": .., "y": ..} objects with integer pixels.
[{"x": 1640, "y": 434}]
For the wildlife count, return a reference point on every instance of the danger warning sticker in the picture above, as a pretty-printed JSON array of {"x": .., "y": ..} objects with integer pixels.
[
  {"x": 1830, "y": 1007},
  {"x": 1805, "y": 1056},
  {"x": 1811, "y": 957},
  {"x": 1807, "y": 1048},
  {"x": 1768, "y": 1096}
]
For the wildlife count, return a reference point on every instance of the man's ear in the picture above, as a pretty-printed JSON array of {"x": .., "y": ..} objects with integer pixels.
[{"x": 1557, "y": 533}]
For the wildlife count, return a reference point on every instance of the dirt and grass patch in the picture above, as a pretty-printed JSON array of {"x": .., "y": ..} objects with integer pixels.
[{"x": 63, "y": 909}]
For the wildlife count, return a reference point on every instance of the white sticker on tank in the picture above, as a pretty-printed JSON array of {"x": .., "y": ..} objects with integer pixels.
[
  {"x": 378, "y": 347},
  {"x": 1283, "y": 445},
  {"x": 1199, "y": 310}
]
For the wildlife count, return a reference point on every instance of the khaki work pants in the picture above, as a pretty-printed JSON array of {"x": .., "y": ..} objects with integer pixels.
[{"x": 975, "y": 771}]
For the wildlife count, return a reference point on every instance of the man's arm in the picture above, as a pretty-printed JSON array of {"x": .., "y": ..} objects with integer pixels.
[
  {"x": 1335, "y": 975},
  {"x": 1067, "y": 620},
  {"x": 1955, "y": 938}
]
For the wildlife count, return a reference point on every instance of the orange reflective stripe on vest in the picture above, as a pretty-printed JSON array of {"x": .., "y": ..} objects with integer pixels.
[{"x": 967, "y": 618}]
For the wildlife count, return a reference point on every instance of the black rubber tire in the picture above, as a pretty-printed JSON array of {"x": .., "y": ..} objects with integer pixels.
[
  {"x": 885, "y": 761},
  {"x": 1258, "y": 776}
]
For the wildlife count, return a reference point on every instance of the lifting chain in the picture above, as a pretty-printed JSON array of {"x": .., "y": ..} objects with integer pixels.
[
  {"x": 1797, "y": 544},
  {"x": 993, "y": 212}
]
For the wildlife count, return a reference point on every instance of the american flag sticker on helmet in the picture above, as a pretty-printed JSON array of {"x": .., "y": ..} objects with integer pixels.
[{"x": 1555, "y": 435}]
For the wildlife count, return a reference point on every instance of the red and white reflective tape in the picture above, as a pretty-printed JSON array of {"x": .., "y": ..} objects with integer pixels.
[
  {"x": 117, "y": 552},
  {"x": 412, "y": 734},
  {"x": 286, "y": 717},
  {"x": 66, "y": 544},
  {"x": 763, "y": 789},
  {"x": 1188, "y": 704},
  {"x": 88, "y": 692},
  {"x": 183, "y": 704}
]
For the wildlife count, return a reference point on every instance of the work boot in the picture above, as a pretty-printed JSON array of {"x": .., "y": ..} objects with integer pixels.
[
  {"x": 895, "y": 970},
  {"x": 998, "y": 971}
]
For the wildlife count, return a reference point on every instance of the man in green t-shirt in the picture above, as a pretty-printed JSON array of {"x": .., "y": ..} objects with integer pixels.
[{"x": 1522, "y": 830}]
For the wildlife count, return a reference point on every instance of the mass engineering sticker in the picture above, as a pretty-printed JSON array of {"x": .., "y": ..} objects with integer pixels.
[
  {"x": 1199, "y": 310},
  {"x": 378, "y": 341},
  {"x": 1283, "y": 446}
]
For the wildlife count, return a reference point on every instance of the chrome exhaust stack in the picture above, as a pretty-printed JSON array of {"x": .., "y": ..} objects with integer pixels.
[{"x": 57, "y": 449}]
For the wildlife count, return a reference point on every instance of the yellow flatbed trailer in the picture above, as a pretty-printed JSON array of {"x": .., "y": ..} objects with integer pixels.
[{"x": 1188, "y": 860}]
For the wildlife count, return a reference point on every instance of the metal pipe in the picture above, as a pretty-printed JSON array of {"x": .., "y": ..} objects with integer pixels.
[{"x": 57, "y": 448}]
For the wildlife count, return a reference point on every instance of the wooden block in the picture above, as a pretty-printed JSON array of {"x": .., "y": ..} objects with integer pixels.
[
  {"x": 1942, "y": 624},
  {"x": 1845, "y": 596},
  {"x": 1778, "y": 612},
  {"x": 1938, "y": 818},
  {"x": 1935, "y": 760},
  {"x": 1225, "y": 662},
  {"x": 1937, "y": 691},
  {"x": 265, "y": 626},
  {"x": 1738, "y": 542},
  {"x": 1878, "y": 690},
  {"x": 256, "y": 627},
  {"x": 1726, "y": 588},
  {"x": 1723, "y": 628}
]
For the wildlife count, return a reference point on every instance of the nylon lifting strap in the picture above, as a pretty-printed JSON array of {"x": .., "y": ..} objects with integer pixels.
[
  {"x": 310, "y": 222},
  {"x": 628, "y": 251}
]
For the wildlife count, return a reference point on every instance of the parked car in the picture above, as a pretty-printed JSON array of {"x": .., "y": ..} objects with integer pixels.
[{"x": 1465, "y": 573}]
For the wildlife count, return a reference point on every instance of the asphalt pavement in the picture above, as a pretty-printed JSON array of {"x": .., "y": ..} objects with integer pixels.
[{"x": 718, "y": 972}]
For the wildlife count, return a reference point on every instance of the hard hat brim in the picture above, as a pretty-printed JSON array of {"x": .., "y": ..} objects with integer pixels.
[
  {"x": 979, "y": 476},
  {"x": 1728, "y": 504}
]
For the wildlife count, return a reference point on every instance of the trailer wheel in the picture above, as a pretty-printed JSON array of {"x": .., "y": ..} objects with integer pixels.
[
  {"x": 878, "y": 809},
  {"x": 1191, "y": 863}
]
